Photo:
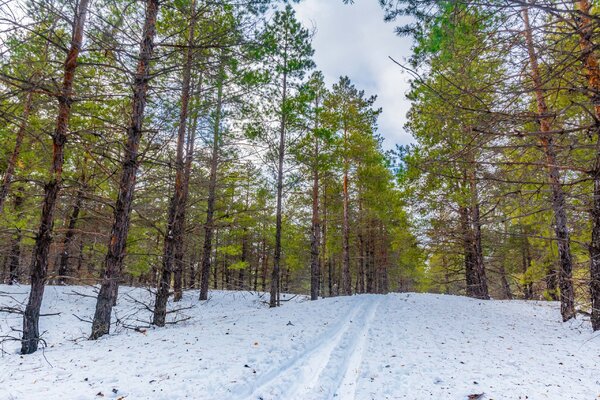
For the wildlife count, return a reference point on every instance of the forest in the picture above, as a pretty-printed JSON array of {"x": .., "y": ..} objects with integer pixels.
[{"x": 193, "y": 146}]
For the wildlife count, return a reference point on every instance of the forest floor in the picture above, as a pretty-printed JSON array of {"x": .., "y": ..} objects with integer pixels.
[{"x": 398, "y": 346}]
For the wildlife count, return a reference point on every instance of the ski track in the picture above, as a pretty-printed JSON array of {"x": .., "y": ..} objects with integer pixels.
[
  {"x": 347, "y": 385},
  {"x": 327, "y": 369}
]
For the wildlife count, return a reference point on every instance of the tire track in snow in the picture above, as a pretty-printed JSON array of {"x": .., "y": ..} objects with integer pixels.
[{"x": 331, "y": 364}]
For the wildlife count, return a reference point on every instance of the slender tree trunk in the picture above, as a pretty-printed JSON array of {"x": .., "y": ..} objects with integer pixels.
[
  {"x": 469, "y": 256},
  {"x": 585, "y": 29},
  {"x": 257, "y": 268},
  {"x": 12, "y": 161},
  {"x": 212, "y": 192},
  {"x": 63, "y": 266},
  {"x": 360, "y": 281},
  {"x": 481, "y": 287},
  {"x": 175, "y": 223},
  {"x": 315, "y": 268},
  {"x": 80, "y": 256},
  {"x": 594, "y": 250},
  {"x": 505, "y": 285},
  {"x": 14, "y": 258},
  {"x": 384, "y": 289},
  {"x": 275, "y": 276},
  {"x": 15, "y": 246},
  {"x": 325, "y": 255},
  {"x": 370, "y": 261},
  {"x": 181, "y": 220},
  {"x": 215, "y": 269},
  {"x": 244, "y": 259},
  {"x": 526, "y": 263},
  {"x": 567, "y": 294},
  {"x": 113, "y": 262},
  {"x": 551, "y": 284},
  {"x": 286, "y": 280},
  {"x": 446, "y": 274},
  {"x": 265, "y": 267},
  {"x": 346, "y": 279},
  {"x": 39, "y": 266}
]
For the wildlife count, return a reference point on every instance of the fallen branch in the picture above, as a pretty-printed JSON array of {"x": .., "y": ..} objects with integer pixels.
[
  {"x": 73, "y": 292},
  {"x": 81, "y": 319}
]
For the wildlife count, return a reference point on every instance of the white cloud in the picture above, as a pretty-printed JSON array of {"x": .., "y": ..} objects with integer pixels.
[{"x": 354, "y": 40}]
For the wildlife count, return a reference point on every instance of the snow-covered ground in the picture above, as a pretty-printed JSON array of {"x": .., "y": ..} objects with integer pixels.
[{"x": 399, "y": 346}]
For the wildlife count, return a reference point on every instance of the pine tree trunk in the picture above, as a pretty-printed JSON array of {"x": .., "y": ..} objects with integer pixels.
[
  {"x": 368, "y": 275},
  {"x": 585, "y": 29},
  {"x": 39, "y": 266},
  {"x": 175, "y": 223},
  {"x": 481, "y": 287},
  {"x": 215, "y": 269},
  {"x": 468, "y": 248},
  {"x": 63, "y": 267},
  {"x": 551, "y": 285},
  {"x": 265, "y": 266},
  {"x": 346, "y": 280},
  {"x": 256, "y": 269},
  {"x": 325, "y": 256},
  {"x": 212, "y": 192},
  {"x": 14, "y": 257},
  {"x": 181, "y": 220},
  {"x": 315, "y": 268},
  {"x": 244, "y": 259},
  {"x": 505, "y": 285},
  {"x": 567, "y": 294},
  {"x": 275, "y": 276},
  {"x": 113, "y": 263},
  {"x": 594, "y": 250},
  {"x": 360, "y": 281},
  {"x": 384, "y": 288},
  {"x": 526, "y": 263},
  {"x": 12, "y": 162}
]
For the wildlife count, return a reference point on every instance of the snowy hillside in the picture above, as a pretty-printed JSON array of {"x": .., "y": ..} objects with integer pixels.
[{"x": 399, "y": 346}]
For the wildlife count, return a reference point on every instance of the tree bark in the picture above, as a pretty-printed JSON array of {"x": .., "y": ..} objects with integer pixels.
[
  {"x": 585, "y": 28},
  {"x": 551, "y": 285},
  {"x": 360, "y": 279},
  {"x": 481, "y": 287},
  {"x": 39, "y": 266},
  {"x": 14, "y": 257},
  {"x": 113, "y": 262},
  {"x": 346, "y": 279},
  {"x": 176, "y": 217},
  {"x": 567, "y": 294},
  {"x": 468, "y": 248},
  {"x": 370, "y": 259},
  {"x": 505, "y": 285},
  {"x": 63, "y": 267},
  {"x": 12, "y": 162},
  {"x": 244, "y": 260},
  {"x": 325, "y": 254},
  {"x": 526, "y": 263},
  {"x": 209, "y": 225},
  {"x": 265, "y": 266},
  {"x": 180, "y": 227},
  {"x": 315, "y": 267},
  {"x": 275, "y": 276}
]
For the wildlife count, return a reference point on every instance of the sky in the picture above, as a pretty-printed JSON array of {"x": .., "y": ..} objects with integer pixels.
[{"x": 354, "y": 40}]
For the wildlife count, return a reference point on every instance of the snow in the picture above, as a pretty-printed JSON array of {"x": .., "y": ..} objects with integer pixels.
[{"x": 398, "y": 346}]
